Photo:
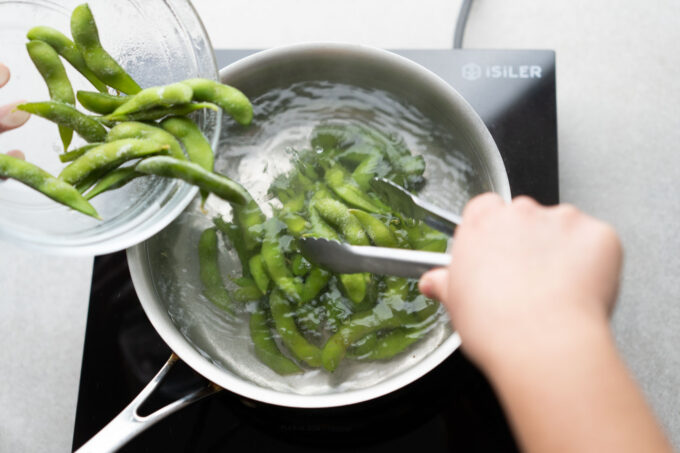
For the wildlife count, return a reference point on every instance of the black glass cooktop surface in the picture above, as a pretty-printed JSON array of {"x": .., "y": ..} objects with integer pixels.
[{"x": 452, "y": 408}]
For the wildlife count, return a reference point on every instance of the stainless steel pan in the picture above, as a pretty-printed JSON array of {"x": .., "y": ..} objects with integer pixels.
[{"x": 220, "y": 362}]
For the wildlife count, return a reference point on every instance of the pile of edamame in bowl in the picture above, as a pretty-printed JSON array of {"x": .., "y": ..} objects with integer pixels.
[{"x": 296, "y": 162}]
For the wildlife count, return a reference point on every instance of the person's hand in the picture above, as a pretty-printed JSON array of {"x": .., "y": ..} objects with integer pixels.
[
  {"x": 10, "y": 118},
  {"x": 523, "y": 276}
]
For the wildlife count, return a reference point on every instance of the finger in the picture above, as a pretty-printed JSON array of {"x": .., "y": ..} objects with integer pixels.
[
  {"x": 11, "y": 118},
  {"x": 434, "y": 284},
  {"x": 480, "y": 205},
  {"x": 4, "y": 75}
]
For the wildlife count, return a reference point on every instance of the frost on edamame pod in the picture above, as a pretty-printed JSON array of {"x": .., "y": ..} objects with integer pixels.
[
  {"x": 197, "y": 147},
  {"x": 162, "y": 112},
  {"x": 51, "y": 69},
  {"x": 265, "y": 347},
  {"x": 67, "y": 49},
  {"x": 104, "y": 66},
  {"x": 135, "y": 129},
  {"x": 69, "y": 116},
  {"x": 104, "y": 157},
  {"x": 102, "y": 103},
  {"x": 231, "y": 100},
  {"x": 220, "y": 185},
  {"x": 40, "y": 180},
  {"x": 156, "y": 97}
]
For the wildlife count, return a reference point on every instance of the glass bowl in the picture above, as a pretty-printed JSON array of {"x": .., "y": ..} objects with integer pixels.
[{"x": 157, "y": 42}]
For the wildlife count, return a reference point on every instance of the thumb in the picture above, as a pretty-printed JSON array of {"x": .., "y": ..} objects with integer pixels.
[{"x": 435, "y": 284}]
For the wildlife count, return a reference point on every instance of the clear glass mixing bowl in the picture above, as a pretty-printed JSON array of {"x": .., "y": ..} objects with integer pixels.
[{"x": 157, "y": 42}]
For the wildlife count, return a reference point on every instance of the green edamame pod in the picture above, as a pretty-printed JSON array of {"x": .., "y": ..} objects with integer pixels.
[
  {"x": 309, "y": 317},
  {"x": 135, "y": 129},
  {"x": 231, "y": 100},
  {"x": 283, "y": 316},
  {"x": 37, "y": 178},
  {"x": 113, "y": 180},
  {"x": 296, "y": 224},
  {"x": 259, "y": 273},
  {"x": 371, "y": 167},
  {"x": 250, "y": 219},
  {"x": 265, "y": 347},
  {"x": 161, "y": 112},
  {"x": 102, "y": 103},
  {"x": 209, "y": 272},
  {"x": 235, "y": 236},
  {"x": 247, "y": 293},
  {"x": 69, "y": 116},
  {"x": 357, "y": 327},
  {"x": 388, "y": 345},
  {"x": 316, "y": 281},
  {"x": 339, "y": 216},
  {"x": 67, "y": 49},
  {"x": 380, "y": 234},
  {"x": 337, "y": 312},
  {"x": 49, "y": 65},
  {"x": 197, "y": 147},
  {"x": 300, "y": 265},
  {"x": 86, "y": 39},
  {"x": 345, "y": 188},
  {"x": 109, "y": 155},
  {"x": 423, "y": 237},
  {"x": 170, "y": 167},
  {"x": 72, "y": 155},
  {"x": 156, "y": 97},
  {"x": 275, "y": 262}
]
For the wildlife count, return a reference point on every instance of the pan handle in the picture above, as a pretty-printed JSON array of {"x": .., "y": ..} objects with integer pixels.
[{"x": 129, "y": 423}]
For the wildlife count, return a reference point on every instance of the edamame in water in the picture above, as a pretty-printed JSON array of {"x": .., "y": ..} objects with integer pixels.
[{"x": 283, "y": 125}]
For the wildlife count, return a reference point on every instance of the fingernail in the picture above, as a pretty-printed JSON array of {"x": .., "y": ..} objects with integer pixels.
[
  {"x": 10, "y": 117},
  {"x": 425, "y": 286},
  {"x": 16, "y": 153},
  {"x": 4, "y": 74}
]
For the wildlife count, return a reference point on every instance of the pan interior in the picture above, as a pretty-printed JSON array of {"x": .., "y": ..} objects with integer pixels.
[{"x": 285, "y": 115}]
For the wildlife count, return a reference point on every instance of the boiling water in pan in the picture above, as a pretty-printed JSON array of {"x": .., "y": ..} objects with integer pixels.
[{"x": 284, "y": 119}]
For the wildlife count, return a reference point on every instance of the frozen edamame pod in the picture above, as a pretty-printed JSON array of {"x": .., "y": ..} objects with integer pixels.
[
  {"x": 197, "y": 147},
  {"x": 72, "y": 155},
  {"x": 102, "y": 103},
  {"x": 109, "y": 155},
  {"x": 284, "y": 320},
  {"x": 37, "y": 178},
  {"x": 135, "y": 129},
  {"x": 209, "y": 272},
  {"x": 316, "y": 280},
  {"x": 296, "y": 224},
  {"x": 67, "y": 49},
  {"x": 231, "y": 100},
  {"x": 52, "y": 71},
  {"x": 113, "y": 180},
  {"x": 86, "y": 39},
  {"x": 265, "y": 347},
  {"x": 339, "y": 216},
  {"x": 162, "y": 112},
  {"x": 170, "y": 167},
  {"x": 69, "y": 116},
  {"x": 156, "y": 97},
  {"x": 275, "y": 262}
]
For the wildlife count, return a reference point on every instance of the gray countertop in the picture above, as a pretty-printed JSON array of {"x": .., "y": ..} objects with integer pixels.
[{"x": 619, "y": 129}]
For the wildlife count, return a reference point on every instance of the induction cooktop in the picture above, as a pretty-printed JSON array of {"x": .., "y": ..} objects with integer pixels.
[{"x": 452, "y": 408}]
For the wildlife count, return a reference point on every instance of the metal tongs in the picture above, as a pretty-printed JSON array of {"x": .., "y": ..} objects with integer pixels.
[{"x": 348, "y": 259}]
